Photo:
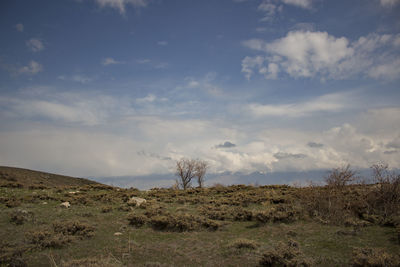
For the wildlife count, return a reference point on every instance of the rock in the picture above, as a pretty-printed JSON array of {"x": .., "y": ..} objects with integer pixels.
[
  {"x": 137, "y": 201},
  {"x": 44, "y": 203},
  {"x": 117, "y": 233},
  {"x": 65, "y": 204}
]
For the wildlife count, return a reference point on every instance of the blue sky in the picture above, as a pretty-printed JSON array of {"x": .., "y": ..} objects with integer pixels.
[{"x": 127, "y": 87}]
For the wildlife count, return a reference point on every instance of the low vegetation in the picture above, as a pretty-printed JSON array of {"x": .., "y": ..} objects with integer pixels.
[{"x": 343, "y": 223}]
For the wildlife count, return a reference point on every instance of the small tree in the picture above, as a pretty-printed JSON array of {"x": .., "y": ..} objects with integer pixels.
[
  {"x": 340, "y": 177},
  {"x": 200, "y": 171},
  {"x": 185, "y": 170}
]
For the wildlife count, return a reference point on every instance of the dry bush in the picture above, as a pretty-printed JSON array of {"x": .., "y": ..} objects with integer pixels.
[
  {"x": 12, "y": 255},
  {"x": 137, "y": 219},
  {"x": 340, "y": 177},
  {"x": 11, "y": 185},
  {"x": 74, "y": 228},
  {"x": 277, "y": 214},
  {"x": 221, "y": 213},
  {"x": 19, "y": 217},
  {"x": 240, "y": 214},
  {"x": 285, "y": 255},
  {"x": 385, "y": 197},
  {"x": 244, "y": 243},
  {"x": 106, "y": 209},
  {"x": 46, "y": 239},
  {"x": 373, "y": 257},
  {"x": 12, "y": 202},
  {"x": 182, "y": 222}
]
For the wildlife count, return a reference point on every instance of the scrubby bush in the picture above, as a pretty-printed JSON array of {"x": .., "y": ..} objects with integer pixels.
[
  {"x": 19, "y": 217},
  {"x": 11, "y": 255},
  {"x": 373, "y": 257},
  {"x": 75, "y": 228},
  {"x": 288, "y": 254},
  {"x": 106, "y": 209},
  {"x": 136, "y": 219},
  {"x": 244, "y": 243},
  {"x": 182, "y": 222},
  {"x": 46, "y": 239}
]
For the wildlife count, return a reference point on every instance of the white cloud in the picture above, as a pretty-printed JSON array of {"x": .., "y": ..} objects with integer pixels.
[
  {"x": 121, "y": 4},
  {"x": 66, "y": 107},
  {"x": 32, "y": 68},
  {"x": 270, "y": 8},
  {"x": 80, "y": 78},
  {"x": 309, "y": 54},
  {"x": 390, "y": 70},
  {"x": 35, "y": 45},
  {"x": 19, "y": 27},
  {"x": 299, "y": 3},
  {"x": 325, "y": 103},
  {"x": 110, "y": 61},
  {"x": 143, "y": 61},
  {"x": 389, "y": 3},
  {"x": 147, "y": 99},
  {"x": 101, "y": 134},
  {"x": 162, "y": 43}
]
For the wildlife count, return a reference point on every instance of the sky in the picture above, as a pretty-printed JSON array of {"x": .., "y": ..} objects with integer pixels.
[{"x": 107, "y": 88}]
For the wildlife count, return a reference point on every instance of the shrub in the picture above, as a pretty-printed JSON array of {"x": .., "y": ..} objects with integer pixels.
[
  {"x": 386, "y": 193},
  {"x": 74, "y": 228},
  {"x": 373, "y": 257},
  {"x": 18, "y": 217},
  {"x": 240, "y": 214},
  {"x": 137, "y": 220},
  {"x": 46, "y": 239},
  {"x": 182, "y": 222},
  {"x": 244, "y": 243},
  {"x": 285, "y": 255},
  {"x": 11, "y": 255},
  {"x": 106, "y": 209}
]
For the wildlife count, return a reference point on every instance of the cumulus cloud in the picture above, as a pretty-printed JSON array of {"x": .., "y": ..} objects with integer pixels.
[
  {"x": 306, "y": 54},
  {"x": 109, "y": 135},
  {"x": 121, "y": 4},
  {"x": 110, "y": 61},
  {"x": 35, "y": 45},
  {"x": 19, "y": 27},
  {"x": 32, "y": 68},
  {"x": 227, "y": 144}
]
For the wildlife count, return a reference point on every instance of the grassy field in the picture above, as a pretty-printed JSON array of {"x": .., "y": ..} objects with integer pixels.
[{"x": 217, "y": 226}]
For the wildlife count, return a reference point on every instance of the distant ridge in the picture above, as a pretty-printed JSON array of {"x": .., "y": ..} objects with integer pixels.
[{"x": 28, "y": 178}]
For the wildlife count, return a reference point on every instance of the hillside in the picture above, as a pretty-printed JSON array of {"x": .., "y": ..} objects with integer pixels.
[{"x": 19, "y": 177}]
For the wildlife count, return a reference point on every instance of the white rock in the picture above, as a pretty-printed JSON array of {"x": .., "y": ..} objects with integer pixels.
[
  {"x": 65, "y": 204},
  {"x": 137, "y": 201},
  {"x": 117, "y": 233}
]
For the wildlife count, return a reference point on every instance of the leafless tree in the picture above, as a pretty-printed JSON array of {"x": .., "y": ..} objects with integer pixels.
[
  {"x": 339, "y": 177},
  {"x": 185, "y": 170},
  {"x": 200, "y": 171}
]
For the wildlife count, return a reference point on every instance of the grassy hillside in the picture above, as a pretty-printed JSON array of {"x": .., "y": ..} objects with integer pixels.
[
  {"x": 217, "y": 226},
  {"x": 17, "y": 177}
]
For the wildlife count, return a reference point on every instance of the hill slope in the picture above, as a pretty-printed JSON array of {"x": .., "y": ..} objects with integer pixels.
[{"x": 26, "y": 178}]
